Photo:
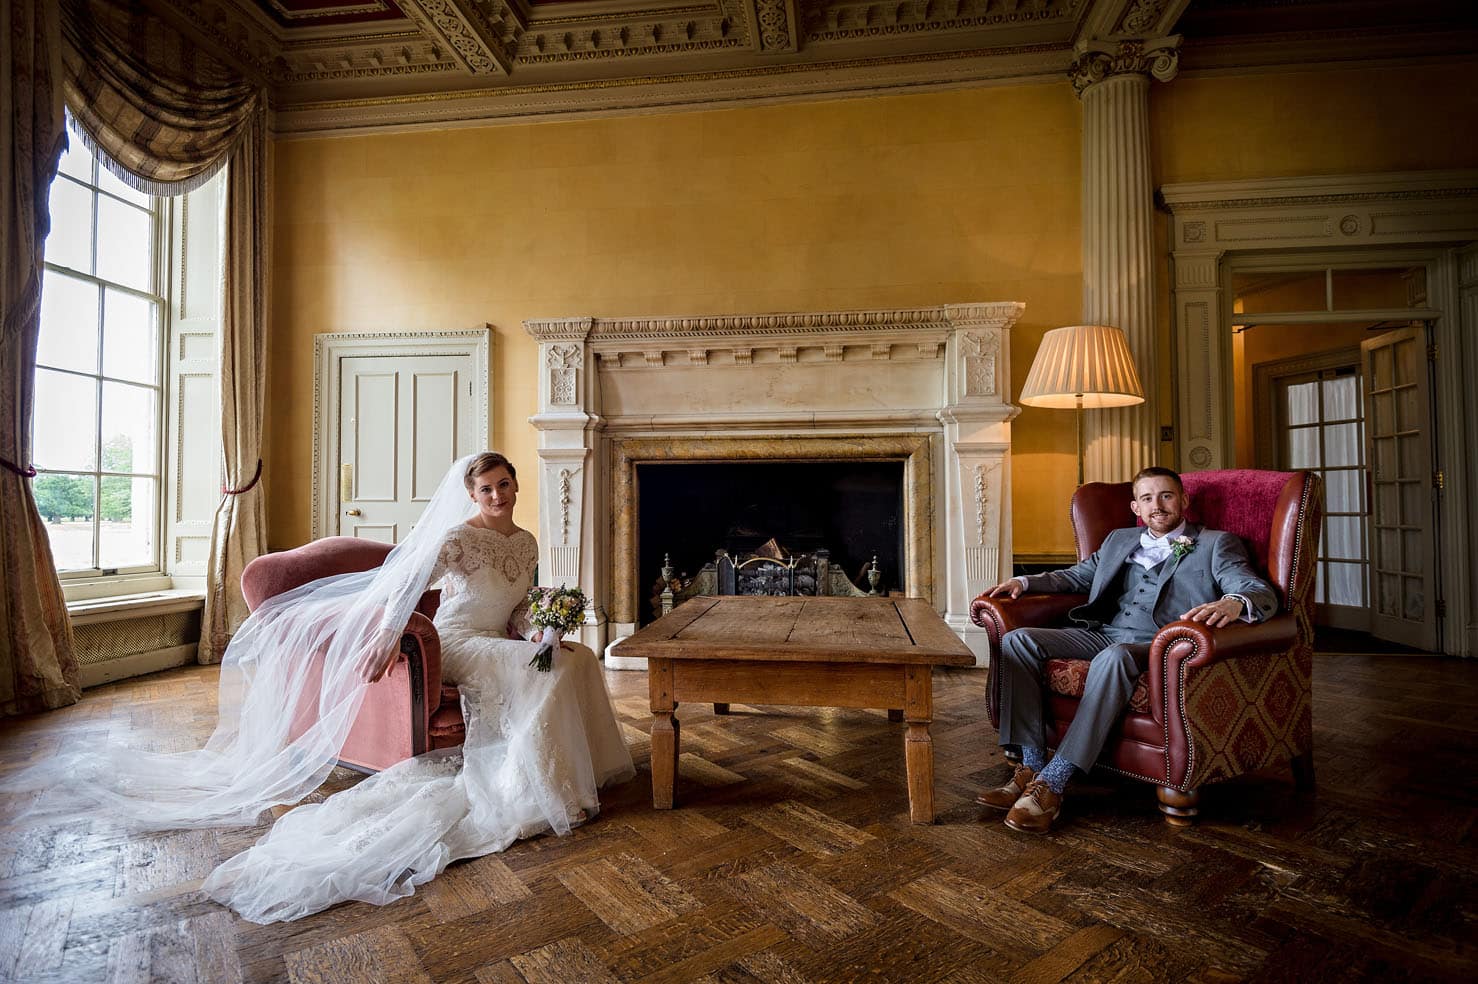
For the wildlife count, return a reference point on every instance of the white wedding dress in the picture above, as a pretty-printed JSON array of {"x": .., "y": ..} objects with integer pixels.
[{"x": 538, "y": 747}]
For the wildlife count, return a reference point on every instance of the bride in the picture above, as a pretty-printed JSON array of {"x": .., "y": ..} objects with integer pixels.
[{"x": 538, "y": 745}]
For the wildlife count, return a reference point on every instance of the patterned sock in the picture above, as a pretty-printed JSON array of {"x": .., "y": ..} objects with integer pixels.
[
  {"x": 1033, "y": 758},
  {"x": 1057, "y": 774}
]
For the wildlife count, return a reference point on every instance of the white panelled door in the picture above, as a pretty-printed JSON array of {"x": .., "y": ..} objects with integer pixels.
[{"x": 402, "y": 420}]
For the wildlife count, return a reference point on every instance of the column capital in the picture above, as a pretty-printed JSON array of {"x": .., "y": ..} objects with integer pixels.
[{"x": 1095, "y": 61}]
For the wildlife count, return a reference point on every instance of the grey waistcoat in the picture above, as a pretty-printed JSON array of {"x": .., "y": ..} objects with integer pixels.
[{"x": 1134, "y": 619}]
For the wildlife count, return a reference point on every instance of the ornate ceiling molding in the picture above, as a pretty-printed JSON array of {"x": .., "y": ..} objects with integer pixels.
[
  {"x": 346, "y": 65},
  {"x": 483, "y": 37}
]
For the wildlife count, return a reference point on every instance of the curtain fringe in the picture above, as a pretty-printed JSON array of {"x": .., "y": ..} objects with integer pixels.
[{"x": 145, "y": 186}]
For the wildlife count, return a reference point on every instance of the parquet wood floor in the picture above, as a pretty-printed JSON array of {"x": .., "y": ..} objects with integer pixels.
[{"x": 792, "y": 859}]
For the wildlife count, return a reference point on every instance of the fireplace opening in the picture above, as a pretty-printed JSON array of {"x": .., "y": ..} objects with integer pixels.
[{"x": 848, "y": 512}]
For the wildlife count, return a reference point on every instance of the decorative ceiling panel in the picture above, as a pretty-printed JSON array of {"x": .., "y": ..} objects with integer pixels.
[
  {"x": 341, "y": 64},
  {"x": 329, "y": 13}
]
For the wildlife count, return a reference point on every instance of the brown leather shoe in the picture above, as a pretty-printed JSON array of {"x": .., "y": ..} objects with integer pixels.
[
  {"x": 1035, "y": 811},
  {"x": 1005, "y": 797}
]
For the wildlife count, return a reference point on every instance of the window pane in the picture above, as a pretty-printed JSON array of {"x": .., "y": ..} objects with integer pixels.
[
  {"x": 76, "y": 160},
  {"x": 125, "y": 248},
  {"x": 69, "y": 243},
  {"x": 1414, "y": 602},
  {"x": 1303, "y": 403},
  {"x": 1269, "y": 290},
  {"x": 1342, "y": 444},
  {"x": 130, "y": 338},
  {"x": 69, "y": 323},
  {"x": 1357, "y": 289},
  {"x": 129, "y": 426},
  {"x": 1347, "y": 584},
  {"x": 111, "y": 184},
  {"x": 1303, "y": 448},
  {"x": 65, "y": 421},
  {"x": 1341, "y": 398},
  {"x": 1342, "y": 539},
  {"x": 1343, "y": 491},
  {"x": 127, "y": 528},
  {"x": 65, "y": 503}
]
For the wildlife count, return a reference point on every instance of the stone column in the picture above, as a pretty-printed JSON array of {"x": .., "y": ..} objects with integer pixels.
[
  {"x": 567, "y": 433},
  {"x": 976, "y": 516},
  {"x": 1113, "y": 80}
]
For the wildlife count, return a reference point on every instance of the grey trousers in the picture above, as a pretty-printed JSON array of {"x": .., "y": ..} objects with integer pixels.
[{"x": 1112, "y": 673}]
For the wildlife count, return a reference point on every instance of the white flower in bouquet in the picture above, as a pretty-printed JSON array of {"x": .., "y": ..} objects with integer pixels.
[{"x": 559, "y": 608}]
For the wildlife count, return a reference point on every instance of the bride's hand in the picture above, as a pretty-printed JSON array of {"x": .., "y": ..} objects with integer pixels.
[{"x": 378, "y": 655}]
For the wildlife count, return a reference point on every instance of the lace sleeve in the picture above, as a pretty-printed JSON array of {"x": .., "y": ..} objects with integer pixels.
[{"x": 404, "y": 591}]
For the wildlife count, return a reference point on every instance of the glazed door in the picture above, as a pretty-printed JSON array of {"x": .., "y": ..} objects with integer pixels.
[
  {"x": 1398, "y": 444},
  {"x": 402, "y": 420}
]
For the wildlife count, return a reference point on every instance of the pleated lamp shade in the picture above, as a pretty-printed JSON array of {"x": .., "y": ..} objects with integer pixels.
[{"x": 1085, "y": 366}]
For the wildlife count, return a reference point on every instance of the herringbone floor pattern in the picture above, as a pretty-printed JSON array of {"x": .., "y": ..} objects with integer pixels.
[{"x": 791, "y": 859}]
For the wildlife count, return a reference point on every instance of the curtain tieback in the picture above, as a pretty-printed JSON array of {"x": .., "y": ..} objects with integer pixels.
[
  {"x": 27, "y": 472},
  {"x": 227, "y": 490}
]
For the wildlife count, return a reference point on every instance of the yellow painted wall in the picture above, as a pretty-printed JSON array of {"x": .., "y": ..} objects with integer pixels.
[
  {"x": 895, "y": 202},
  {"x": 906, "y": 200}
]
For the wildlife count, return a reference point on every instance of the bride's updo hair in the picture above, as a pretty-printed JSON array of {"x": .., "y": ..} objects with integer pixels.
[{"x": 487, "y": 461}]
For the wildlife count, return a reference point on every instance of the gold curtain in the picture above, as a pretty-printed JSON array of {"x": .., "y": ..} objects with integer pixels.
[
  {"x": 240, "y": 532},
  {"x": 38, "y": 668},
  {"x": 164, "y": 116}
]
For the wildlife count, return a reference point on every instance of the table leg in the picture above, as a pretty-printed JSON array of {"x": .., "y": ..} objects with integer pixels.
[
  {"x": 665, "y": 733},
  {"x": 918, "y": 746}
]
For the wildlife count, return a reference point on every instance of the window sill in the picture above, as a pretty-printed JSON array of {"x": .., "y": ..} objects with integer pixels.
[{"x": 118, "y": 607}]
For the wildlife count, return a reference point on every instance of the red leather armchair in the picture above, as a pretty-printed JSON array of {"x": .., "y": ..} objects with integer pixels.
[
  {"x": 408, "y": 711},
  {"x": 1212, "y": 703}
]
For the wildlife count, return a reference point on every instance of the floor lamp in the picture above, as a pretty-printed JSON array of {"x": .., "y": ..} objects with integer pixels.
[{"x": 1082, "y": 367}]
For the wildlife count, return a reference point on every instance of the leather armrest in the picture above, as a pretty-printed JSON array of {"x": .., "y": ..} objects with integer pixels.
[
  {"x": 1007, "y": 613},
  {"x": 1196, "y": 644},
  {"x": 1207, "y": 645}
]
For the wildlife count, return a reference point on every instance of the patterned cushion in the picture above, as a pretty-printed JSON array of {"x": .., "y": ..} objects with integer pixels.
[{"x": 1068, "y": 676}]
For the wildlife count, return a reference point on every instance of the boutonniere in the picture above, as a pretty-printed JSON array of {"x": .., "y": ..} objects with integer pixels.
[{"x": 1181, "y": 546}]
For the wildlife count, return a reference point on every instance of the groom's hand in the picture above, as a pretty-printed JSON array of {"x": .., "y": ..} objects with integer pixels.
[
  {"x": 1216, "y": 613},
  {"x": 1011, "y": 588}
]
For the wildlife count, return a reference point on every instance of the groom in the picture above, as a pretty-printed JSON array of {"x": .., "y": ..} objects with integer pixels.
[{"x": 1139, "y": 580}]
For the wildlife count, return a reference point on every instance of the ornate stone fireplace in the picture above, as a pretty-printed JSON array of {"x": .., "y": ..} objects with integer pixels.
[{"x": 926, "y": 387}]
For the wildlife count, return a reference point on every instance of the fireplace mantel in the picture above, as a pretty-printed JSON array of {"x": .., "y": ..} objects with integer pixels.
[{"x": 928, "y": 386}]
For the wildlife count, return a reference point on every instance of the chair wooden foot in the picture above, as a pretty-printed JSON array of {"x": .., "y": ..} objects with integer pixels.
[
  {"x": 720, "y": 708},
  {"x": 1180, "y": 809},
  {"x": 895, "y": 714},
  {"x": 1303, "y": 771}
]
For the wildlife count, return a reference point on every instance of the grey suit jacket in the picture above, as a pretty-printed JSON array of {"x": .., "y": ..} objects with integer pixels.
[{"x": 1216, "y": 566}]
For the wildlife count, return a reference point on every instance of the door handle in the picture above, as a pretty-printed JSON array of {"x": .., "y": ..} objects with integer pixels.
[{"x": 351, "y": 512}]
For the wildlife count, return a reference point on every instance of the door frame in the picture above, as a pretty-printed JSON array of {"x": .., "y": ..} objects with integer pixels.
[
  {"x": 1374, "y": 216},
  {"x": 330, "y": 349}
]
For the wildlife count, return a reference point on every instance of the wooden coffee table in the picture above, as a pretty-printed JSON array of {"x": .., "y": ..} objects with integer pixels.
[{"x": 812, "y": 652}]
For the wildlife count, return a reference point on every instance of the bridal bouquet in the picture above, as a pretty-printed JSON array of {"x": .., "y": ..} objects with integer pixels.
[{"x": 559, "y": 608}]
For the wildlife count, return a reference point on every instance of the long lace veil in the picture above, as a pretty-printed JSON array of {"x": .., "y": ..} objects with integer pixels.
[{"x": 269, "y": 679}]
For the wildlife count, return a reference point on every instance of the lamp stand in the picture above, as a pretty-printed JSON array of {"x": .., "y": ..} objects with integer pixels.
[{"x": 1078, "y": 415}]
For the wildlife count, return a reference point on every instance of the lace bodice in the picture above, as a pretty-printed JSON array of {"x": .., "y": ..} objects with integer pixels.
[{"x": 485, "y": 575}]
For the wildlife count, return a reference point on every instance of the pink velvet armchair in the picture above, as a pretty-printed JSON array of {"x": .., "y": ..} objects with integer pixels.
[
  {"x": 408, "y": 711},
  {"x": 1212, "y": 703}
]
